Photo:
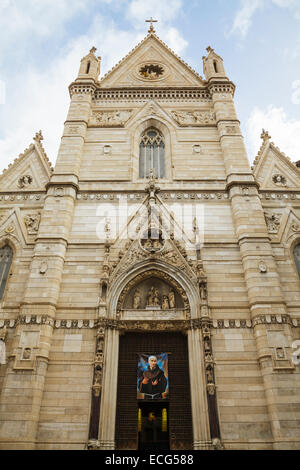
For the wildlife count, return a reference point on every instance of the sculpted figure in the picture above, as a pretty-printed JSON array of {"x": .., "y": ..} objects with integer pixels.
[
  {"x": 150, "y": 300},
  {"x": 172, "y": 299},
  {"x": 203, "y": 291},
  {"x": 148, "y": 244},
  {"x": 165, "y": 303},
  {"x": 137, "y": 300},
  {"x": 156, "y": 298}
]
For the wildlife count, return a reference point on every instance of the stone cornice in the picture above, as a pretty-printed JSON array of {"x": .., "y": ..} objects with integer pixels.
[
  {"x": 145, "y": 94},
  {"x": 151, "y": 325}
]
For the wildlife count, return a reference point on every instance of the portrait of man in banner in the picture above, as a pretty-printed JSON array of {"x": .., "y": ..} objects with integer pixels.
[{"x": 153, "y": 380}]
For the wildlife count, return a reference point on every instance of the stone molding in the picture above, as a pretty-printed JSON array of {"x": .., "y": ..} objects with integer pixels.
[
  {"x": 134, "y": 196},
  {"x": 217, "y": 324},
  {"x": 145, "y": 94}
]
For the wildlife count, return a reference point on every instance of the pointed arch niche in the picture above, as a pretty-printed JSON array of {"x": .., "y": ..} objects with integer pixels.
[
  {"x": 9, "y": 249},
  {"x": 165, "y": 133}
]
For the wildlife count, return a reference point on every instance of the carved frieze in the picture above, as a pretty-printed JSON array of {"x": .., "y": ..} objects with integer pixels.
[
  {"x": 194, "y": 118},
  {"x": 110, "y": 118}
]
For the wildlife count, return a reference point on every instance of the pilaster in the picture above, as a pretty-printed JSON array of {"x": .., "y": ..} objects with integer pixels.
[{"x": 260, "y": 270}]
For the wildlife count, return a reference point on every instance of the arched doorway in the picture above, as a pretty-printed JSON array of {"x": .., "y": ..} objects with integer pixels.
[{"x": 135, "y": 325}]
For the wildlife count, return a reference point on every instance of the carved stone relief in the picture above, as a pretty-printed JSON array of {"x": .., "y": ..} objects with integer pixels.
[
  {"x": 98, "y": 363},
  {"x": 25, "y": 181},
  {"x": 110, "y": 118},
  {"x": 279, "y": 180},
  {"x": 273, "y": 222},
  {"x": 32, "y": 222},
  {"x": 153, "y": 290},
  {"x": 153, "y": 294},
  {"x": 194, "y": 118}
]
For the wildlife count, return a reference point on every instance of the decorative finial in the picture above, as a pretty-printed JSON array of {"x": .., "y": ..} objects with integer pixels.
[
  {"x": 265, "y": 136},
  {"x": 209, "y": 49},
  {"x": 152, "y": 188},
  {"x": 151, "y": 29},
  {"x": 93, "y": 50},
  {"x": 38, "y": 137}
]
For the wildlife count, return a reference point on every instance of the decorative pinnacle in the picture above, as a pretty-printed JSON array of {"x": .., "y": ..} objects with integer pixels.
[
  {"x": 265, "y": 136},
  {"x": 38, "y": 137},
  {"x": 93, "y": 50},
  {"x": 209, "y": 49},
  {"x": 151, "y": 29}
]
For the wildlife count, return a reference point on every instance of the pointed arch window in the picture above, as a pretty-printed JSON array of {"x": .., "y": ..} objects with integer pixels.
[
  {"x": 152, "y": 154},
  {"x": 6, "y": 256},
  {"x": 297, "y": 257}
]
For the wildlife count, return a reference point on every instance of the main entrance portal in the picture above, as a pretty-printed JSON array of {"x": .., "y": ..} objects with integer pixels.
[{"x": 164, "y": 423}]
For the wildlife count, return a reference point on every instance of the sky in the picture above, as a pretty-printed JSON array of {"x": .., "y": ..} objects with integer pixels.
[{"x": 43, "y": 41}]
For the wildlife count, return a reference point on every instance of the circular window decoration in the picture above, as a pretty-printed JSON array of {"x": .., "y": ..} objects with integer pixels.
[{"x": 151, "y": 71}]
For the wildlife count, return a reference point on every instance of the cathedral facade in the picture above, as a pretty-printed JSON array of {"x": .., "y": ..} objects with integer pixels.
[{"x": 150, "y": 291}]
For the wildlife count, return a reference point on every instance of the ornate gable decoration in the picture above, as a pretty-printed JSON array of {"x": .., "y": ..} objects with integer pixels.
[
  {"x": 151, "y": 63},
  {"x": 273, "y": 169},
  {"x": 30, "y": 171}
]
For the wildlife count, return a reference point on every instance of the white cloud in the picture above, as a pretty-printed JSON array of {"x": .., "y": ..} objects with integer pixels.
[
  {"x": 244, "y": 16},
  {"x": 40, "y": 98},
  {"x": 283, "y": 130},
  {"x": 296, "y": 92}
]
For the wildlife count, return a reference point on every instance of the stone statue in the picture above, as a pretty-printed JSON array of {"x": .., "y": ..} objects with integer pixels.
[
  {"x": 137, "y": 300},
  {"x": 156, "y": 298},
  {"x": 172, "y": 299},
  {"x": 165, "y": 303},
  {"x": 203, "y": 295},
  {"x": 153, "y": 298}
]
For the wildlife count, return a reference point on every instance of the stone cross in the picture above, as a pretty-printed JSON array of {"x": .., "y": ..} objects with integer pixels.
[{"x": 151, "y": 29}]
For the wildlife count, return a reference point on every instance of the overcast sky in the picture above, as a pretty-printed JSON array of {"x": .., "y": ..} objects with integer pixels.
[{"x": 43, "y": 41}]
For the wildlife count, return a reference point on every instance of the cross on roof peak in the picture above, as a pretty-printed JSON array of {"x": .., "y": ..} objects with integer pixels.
[{"x": 151, "y": 29}]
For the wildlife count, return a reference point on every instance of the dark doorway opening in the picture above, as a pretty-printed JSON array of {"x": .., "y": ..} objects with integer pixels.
[
  {"x": 178, "y": 405},
  {"x": 153, "y": 426}
]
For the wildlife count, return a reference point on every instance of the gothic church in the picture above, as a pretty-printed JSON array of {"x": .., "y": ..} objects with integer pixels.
[{"x": 149, "y": 290}]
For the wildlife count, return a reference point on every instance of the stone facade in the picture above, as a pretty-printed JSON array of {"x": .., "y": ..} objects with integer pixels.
[{"x": 82, "y": 272}]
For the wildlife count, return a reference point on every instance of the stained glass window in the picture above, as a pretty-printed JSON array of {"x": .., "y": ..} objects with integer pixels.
[{"x": 152, "y": 154}]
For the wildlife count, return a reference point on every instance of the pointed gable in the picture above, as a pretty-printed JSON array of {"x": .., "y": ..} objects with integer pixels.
[
  {"x": 273, "y": 170},
  {"x": 31, "y": 171},
  {"x": 151, "y": 63}
]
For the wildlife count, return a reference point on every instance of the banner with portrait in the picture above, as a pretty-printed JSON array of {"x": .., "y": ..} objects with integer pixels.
[{"x": 153, "y": 377}]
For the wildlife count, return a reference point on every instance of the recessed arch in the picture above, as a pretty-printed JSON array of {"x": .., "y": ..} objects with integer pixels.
[
  {"x": 168, "y": 133},
  {"x": 183, "y": 285}
]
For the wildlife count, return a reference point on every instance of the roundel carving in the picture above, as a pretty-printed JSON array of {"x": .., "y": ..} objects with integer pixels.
[{"x": 151, "y": 71}]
